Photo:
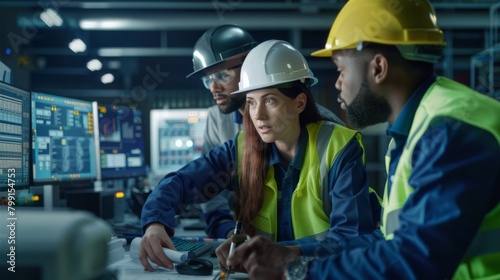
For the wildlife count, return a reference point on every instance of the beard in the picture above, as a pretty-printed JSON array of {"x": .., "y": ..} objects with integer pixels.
[
  {"x": 236, "y": 101},
  {"x": 367, "y": 108}
]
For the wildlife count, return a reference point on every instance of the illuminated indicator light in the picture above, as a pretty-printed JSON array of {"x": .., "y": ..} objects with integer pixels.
[
  {"x": 178, "y": 143},
  {"x": 119, "y": 194}
]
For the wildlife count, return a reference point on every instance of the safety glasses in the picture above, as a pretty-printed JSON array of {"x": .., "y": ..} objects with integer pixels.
[{"x": 222, "y": 77}]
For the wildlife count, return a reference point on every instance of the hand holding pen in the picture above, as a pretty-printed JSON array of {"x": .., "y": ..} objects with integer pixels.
[
  {"x": 227, "y": 248},
  {"x": 237, "y": 230}
]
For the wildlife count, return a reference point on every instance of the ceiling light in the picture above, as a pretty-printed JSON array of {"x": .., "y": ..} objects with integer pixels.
[
  {"x": 77, "y": 45},
  {"x": 107, "y": 78},
  {"x": 111, "y": 24},
  {"x": 51, "y": 17},
  {"x": 94, "y": 65}
]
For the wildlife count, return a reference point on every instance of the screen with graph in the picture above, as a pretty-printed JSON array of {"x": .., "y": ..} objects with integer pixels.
[
  {"x": 14, "y": 137},
  {"x": 62, "y": 139},
  {"x": 121, "y": 141},
  {"x": 176, "y": 137}
]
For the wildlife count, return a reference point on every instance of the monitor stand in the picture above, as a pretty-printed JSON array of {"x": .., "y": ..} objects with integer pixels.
[{"x": 51, "y": 197}]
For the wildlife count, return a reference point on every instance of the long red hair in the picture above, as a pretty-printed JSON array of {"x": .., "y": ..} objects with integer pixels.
[{"x": 249, "y": 195}]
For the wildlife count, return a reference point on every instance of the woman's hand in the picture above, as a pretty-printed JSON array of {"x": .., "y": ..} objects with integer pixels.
[{"x": 152, "y": 243}]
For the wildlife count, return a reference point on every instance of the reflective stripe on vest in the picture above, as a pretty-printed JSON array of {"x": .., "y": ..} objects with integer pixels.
[
  {"x": 310, "y": 216},
  {"x": 393, "y": 224},
  {"x": 448, "y": 98}
]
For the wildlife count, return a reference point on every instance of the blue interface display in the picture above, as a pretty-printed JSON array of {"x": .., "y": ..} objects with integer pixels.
[
  {"x": 62, "y": 139},
  {"x": 14, "y": 137}
]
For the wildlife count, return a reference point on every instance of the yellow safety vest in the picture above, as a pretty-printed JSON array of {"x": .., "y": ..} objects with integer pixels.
[
  {"x": 309, "y": 213},
  {"x": 448, "y": 98}
]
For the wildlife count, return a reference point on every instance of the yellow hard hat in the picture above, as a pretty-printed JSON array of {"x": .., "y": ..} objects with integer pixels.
[{"x": 404, "y": 23}]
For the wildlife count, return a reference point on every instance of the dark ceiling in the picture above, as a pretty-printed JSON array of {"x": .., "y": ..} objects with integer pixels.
[{"x": 135, "y": 39}]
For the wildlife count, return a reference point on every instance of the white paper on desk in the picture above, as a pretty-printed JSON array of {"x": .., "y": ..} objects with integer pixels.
[{"x": 174, "y": 256}]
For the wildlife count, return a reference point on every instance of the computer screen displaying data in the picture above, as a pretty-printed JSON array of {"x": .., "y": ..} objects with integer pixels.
[
  {"x": 176, "y": 137},
  {"x": 62, "y": 139},
  {"x": 14, "y": 137},
  {"x": 121, "y": 141}
]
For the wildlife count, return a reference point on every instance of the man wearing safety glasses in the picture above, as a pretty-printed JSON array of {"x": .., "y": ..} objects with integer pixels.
[
  {"x": 222, "y": 78},
  {"x": 217, "y": 58}
]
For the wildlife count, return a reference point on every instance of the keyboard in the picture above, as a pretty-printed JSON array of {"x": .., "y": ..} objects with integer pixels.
[{"x": 194, "y": 249}]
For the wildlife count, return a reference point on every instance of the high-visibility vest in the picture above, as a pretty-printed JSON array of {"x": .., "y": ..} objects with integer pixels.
[
  {"x": 446, "y": 98},
  {"x": 310, "y": 216}
]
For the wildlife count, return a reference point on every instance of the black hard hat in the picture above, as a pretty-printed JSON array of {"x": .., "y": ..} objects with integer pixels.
[{"x": 219, "y": 44}]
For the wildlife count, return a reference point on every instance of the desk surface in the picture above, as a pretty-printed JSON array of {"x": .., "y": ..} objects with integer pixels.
[{"x": 128, "y": 269}]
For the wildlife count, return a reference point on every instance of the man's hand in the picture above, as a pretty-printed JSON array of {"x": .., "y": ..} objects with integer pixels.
[
  {"x": 263, "y": 259},
  {"x": 152, "y": 243}
]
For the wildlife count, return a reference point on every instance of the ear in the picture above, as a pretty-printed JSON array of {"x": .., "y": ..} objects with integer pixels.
[
  {"x": 379, "y": 68},
  {"x": 301, "y": 101}
]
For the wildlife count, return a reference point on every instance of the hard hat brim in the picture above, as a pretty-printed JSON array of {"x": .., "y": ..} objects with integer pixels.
[
  {"x": 198, "y": 73},
  {"x": 322, "y": 53},
  {"x": 250, "y": 89}
]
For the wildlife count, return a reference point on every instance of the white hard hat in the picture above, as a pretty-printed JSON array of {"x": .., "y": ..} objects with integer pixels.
[{"x": 271, "y": 63}]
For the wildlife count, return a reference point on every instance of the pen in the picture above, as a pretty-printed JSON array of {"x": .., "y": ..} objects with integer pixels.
[{"x": 237, "y": 230}]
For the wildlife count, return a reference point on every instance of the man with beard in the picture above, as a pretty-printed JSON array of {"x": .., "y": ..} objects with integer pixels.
[
  {"x": 217, "y": 58},
  {"x": 441, "y": 214}
]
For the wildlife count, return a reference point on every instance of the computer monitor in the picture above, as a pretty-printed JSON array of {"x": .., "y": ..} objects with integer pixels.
[
  {"x": 176, "y": 138},
  {"x": 121, "y": 141},
  {"x": 14, "y": 137},
  {"x": 62, "y": 139}
]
